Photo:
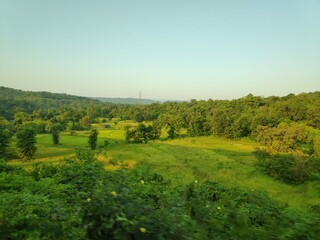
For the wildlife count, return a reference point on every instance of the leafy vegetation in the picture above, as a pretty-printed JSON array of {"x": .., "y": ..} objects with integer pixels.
[
  {"x": 5, "y": 135},
  {"x": 289, "y": 168},
  {"x": 196, "y": 177},
  {"x": 26, "y": 143},
  {"x": 93, "y": 137},
  {"x": 55, "y": 131},
  {"x": 78, "y": 199},
  {"x": 142, "y": 133}
]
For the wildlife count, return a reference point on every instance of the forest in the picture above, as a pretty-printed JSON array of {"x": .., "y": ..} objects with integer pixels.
[{"x": 79, "y": 168}]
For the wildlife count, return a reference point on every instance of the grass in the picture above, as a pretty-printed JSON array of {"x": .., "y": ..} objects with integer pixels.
[
  {"x": 182, "y": 164},
  {"x": 230, "y": 162}
]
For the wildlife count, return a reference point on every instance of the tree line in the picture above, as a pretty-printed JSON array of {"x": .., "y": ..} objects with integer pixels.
[{"x": 288, "y": 123}]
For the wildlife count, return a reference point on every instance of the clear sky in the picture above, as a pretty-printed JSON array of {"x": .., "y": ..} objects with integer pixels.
[{"x": 169, "y": 49}]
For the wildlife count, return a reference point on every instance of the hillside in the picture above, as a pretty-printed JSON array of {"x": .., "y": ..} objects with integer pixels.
[
  {"x": 29, "y": 101},
  {"x": 11, "y": 93}
]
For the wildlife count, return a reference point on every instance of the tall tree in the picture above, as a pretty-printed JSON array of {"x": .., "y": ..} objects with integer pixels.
[
  {"x": 93, "y": 137},
  {"x": 26, "y": 143},
  {"x": 55, "y": 131},
  {"x": 55, "y": 136}
]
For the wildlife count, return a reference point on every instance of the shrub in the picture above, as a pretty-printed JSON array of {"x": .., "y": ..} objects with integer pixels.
[{"x": 289, "y": 168}]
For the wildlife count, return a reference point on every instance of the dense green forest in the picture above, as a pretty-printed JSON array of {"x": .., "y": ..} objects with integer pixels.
[{"x": 77, "y": 198}]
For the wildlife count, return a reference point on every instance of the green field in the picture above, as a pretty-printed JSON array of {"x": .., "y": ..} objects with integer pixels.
[{"x": 183, "y": 160}]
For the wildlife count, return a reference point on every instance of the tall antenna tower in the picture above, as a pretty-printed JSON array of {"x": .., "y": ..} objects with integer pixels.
[{"x": 140, "y": 94}]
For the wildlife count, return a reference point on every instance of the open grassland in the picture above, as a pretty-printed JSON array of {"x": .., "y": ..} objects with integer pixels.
[{"x": 183, "y": 160}]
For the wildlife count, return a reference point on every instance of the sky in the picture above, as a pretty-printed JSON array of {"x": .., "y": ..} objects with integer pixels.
[{"x": 168, "y": 49}]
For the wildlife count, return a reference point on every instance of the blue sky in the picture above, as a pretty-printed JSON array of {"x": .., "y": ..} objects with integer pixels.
[{"x": 168, "y": 49}]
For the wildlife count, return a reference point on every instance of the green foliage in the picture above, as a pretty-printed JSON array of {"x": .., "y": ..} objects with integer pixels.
[
  {"x": 289, "y": 168},
  {"x": 6, "y": 168},
  {"x": 139, "y": 117},
  {"x": 55, "y": 137},
  {"x": 229, "y": 213},
  {"x": 106, "y": 143},
  {"x": 42, "y": 105},
  {"x": 26, "y": 143},
  {"x": 55, "y": 129},
  {"x": 37, "y": 126},
  {"x": 198, "y": 126},
  {"x": 280, "y": 139},
  {"x": 20, "y": 117},
  {"x": 173, "y": 122},
  {"x": 5, "y": 135},
  {"x": 154, "y": 131},
  {"x": 316, "y": 145},
  {"x": 86, "y": 122},
  {"x": 78, "y": 199},
  {"x": 93, "y": 137},
  {"x": 171, "y": 132},
  {"x": 84, "y": 154},
  {"x": 296, "y": 139},
  {"x": 142, "y": 133},
  {"x": 232, "y": 119}
]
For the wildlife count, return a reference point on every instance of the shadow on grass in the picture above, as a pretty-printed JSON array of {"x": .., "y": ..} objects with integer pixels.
[{"x": 230, "y": 153}]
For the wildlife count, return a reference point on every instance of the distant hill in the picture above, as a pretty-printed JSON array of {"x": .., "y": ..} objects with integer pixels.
[
  {"x": 11, "y": 93},
  {"x": 126, "y": 100},
  {"x": 11, "y": 99}
]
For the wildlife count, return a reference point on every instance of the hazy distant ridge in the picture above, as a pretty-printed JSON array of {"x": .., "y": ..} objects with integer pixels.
[{"x": 126, "y": 100}]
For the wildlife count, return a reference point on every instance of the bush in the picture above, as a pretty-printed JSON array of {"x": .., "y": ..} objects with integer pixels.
[{"x": 289, "y": 168}]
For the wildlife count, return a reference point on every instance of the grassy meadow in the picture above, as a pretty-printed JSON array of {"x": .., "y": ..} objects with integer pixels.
[{"x": 182, "y": 160}]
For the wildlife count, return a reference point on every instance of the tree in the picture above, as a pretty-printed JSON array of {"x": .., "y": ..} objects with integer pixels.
[
  {"x": 55, "y": 131},
  {"x": 283, "y": 138},
  {"x": 26, "y": 143},
  {"x": 20, "y": 116},
  {"x": 71, "y": 128},
  {"x": 171, "y": 132},
  {"x": 139, "y": 117},
  {"x": 129, "y": 133},
  {"x": 143, "y": 133},
  {"x": 5, "y": 135},
  {"x": 55, "y": 136},
  {"x": 137, "y": 134},
  {"x": 93, "y": 137},
  {"x": 86, "y": 122},
  {"x": 154, "y": 131},
  {"x": 316, "y": 145}
]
